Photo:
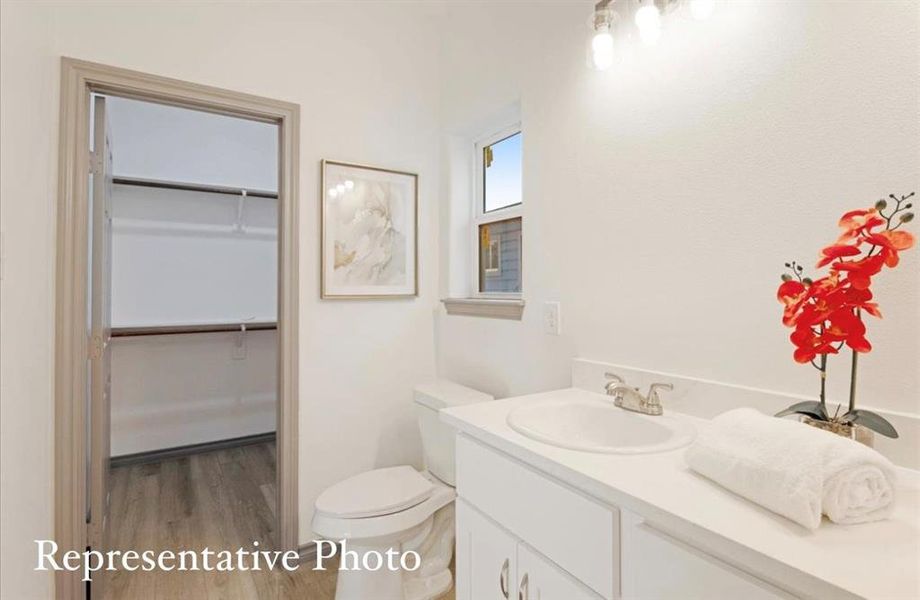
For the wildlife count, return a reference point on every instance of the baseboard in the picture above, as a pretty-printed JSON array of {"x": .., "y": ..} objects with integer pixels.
[{"x": 180, "y": 451}]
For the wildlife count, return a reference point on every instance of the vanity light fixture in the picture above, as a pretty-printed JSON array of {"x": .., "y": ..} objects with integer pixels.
[
  {"x": 648, "y": 21},
  {"x": 647, "y": 16},
  {"x": 602, "y": 53}
]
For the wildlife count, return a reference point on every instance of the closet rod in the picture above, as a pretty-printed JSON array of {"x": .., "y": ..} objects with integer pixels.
[
  {"x": 192, "y": 187},
  {"x": 184, "y": 329}
]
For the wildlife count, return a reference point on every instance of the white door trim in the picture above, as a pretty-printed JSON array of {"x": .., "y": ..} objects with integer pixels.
[{"x": 78, "y": 80}]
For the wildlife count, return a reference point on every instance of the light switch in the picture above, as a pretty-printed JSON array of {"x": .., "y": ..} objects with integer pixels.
[{"x": 552, "y": 323}]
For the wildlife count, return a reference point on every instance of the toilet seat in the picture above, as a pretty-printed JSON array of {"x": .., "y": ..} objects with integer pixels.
[
  {"x": 399, "y": 523},
  {"x": 375, "y": 493}
]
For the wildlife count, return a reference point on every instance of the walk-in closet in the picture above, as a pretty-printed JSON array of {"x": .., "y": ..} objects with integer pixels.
[{"x": 192, "y": 208}]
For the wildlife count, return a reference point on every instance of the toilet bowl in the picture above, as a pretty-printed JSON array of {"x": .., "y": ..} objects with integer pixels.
[{"x": 401, "y": 511}]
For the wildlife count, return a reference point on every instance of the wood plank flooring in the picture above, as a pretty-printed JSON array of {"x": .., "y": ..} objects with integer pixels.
[{"x": 221, "y": 500}]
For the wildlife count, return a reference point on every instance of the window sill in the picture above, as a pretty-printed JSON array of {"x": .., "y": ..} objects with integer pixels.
[{"x": 492, "y": 308}]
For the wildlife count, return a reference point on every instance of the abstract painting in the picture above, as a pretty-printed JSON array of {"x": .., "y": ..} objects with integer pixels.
[{"x": 369, "y": 232}]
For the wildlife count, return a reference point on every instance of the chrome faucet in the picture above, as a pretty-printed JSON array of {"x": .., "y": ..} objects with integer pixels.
[{"x": 629, "y": 398}]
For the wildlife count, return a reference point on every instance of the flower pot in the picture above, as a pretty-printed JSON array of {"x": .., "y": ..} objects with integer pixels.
[{"x": 861, "y": 434}]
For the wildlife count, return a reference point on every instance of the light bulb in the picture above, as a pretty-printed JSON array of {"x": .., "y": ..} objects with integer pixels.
[
  {"x": 702, "y": 9},
  {"x": 648, "y": 20},
  {"x": 349, "y": 184},
  {"x": 333, "y": 192},
  {"x": 602, "y": 49}
]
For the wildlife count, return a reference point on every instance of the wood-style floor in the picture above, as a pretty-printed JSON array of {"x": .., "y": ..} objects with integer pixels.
[{"x": 221, "y": 500}]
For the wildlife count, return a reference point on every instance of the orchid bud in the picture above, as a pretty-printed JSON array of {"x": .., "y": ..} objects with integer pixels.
[
  {"x": 786, "y": 277},
  {"x": 807, "y": 281},
  {"x": 907, "y": 217},
  {"x": 881, "y": 205}
]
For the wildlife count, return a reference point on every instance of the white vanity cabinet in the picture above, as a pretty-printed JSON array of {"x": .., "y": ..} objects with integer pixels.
[
  {"x": 657, "y": 566},
  {"x": 560, "y": 543},
  {"x": 494, "y": 565},
  {"x": 522, "y": 535},
  {"x": 486, "y": 557}
]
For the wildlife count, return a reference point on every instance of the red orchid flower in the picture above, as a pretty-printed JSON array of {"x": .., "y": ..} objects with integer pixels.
[
  {"x": 857, "y": 222},
  {"x": 810, "y": 304},
  {"x": 808, "y": 345},
  {"x": 891, "y": 242},
  {"x": 792, "y": 294},
  {"x": 826, "y": 313},
  {"x": 860, "y": 272},
  {"x": 860, "y": 298},
  {"x": 848, "y": 327},
  {"x": 832, "y": 253}
]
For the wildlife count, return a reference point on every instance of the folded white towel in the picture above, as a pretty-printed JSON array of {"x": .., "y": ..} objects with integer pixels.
[{"x": 795, "y": 470}]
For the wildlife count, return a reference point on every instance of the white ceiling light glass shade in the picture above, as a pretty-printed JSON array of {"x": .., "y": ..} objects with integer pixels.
[
  {"x": 333, "y": 192},
  {"x": 349, "y": 184},
  {"x": 648, "y": 21},
  {"x": 602, "y": 49},
  {"x": 340, "y": 188},
  {"x": 702, "y": 9}
]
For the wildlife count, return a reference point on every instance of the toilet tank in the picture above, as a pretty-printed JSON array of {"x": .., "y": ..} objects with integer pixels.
[{"x": 438, "y": 437}]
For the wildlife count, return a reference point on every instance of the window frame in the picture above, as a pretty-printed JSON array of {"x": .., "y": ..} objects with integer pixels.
[{"x": 481, "y": 217}]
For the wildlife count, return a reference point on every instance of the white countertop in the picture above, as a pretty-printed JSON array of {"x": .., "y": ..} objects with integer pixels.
[{"x": 872, "y": 560}]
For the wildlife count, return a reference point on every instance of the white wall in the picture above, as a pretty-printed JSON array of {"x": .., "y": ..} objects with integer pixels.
[
  {"x": 366, "y": 77},
  {"x": 662, "y": 197},
  {"x": 177, "y": 258},
  {"x": 155, "y": 141},
  {"x": 175, "y": 390}
]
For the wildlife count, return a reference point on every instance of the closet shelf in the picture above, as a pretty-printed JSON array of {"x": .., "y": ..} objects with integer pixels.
[
  {"x": 187, "y": 329},
  {"x": 150, "y": 225},
  {"x": 192, "y": 187}
]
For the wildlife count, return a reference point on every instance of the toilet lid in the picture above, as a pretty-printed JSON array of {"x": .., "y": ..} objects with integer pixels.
[{"x": 375, "y": 493}]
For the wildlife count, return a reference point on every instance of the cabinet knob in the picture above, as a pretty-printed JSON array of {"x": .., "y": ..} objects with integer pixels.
[
  {"x": 503, "y": 579},
  {"x": 523, "y": 588}
]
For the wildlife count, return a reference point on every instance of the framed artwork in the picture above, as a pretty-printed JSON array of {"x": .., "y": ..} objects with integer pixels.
[{"x": 369, "y": 232}]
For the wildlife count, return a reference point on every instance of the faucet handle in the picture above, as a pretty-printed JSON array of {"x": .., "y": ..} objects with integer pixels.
[
  {"x": 614, "y": 380},
  {"x": 653, "y": 398}
]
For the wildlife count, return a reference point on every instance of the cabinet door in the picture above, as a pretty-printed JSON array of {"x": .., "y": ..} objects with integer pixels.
[
  {"x": 485, "y": 557},
  {"x": 540, "y": 579},
  {"x": 657, "y": 566}
]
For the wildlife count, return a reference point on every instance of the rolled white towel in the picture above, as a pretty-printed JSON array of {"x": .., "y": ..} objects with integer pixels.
[
  {"x": 859, "y": 494},
  {"x": 794, "y": 470}
]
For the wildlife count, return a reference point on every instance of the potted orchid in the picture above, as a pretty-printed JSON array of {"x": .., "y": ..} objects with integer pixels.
[{"x": 826, "y": 314}]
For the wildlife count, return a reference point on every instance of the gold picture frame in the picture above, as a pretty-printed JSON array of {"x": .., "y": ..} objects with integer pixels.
[{"x": 374, "y": 256}]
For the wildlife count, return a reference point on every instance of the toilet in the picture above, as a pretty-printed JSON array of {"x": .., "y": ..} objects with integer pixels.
[{"x": 400, "y": 508}]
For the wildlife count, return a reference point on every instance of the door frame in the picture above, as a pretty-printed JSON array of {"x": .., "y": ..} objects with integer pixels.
[{"x": 78, "y": 80}]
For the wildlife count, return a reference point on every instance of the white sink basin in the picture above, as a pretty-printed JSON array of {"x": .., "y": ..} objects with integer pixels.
[{"x": 599, "y": 426}]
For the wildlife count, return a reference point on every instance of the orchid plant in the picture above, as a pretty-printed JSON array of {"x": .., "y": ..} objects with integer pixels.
[{"x": 826, "y": 314}]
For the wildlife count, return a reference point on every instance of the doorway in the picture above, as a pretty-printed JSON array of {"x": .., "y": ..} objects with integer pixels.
[{"x": 139, "y": 294}]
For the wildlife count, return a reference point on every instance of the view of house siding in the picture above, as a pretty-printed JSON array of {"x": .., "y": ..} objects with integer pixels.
[{"x": 508, "y": 276}]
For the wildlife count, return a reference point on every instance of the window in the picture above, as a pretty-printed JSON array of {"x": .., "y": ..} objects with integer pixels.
[
  {"x": 498, "y": 221},
  {"x": 501, "y": 181}
]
